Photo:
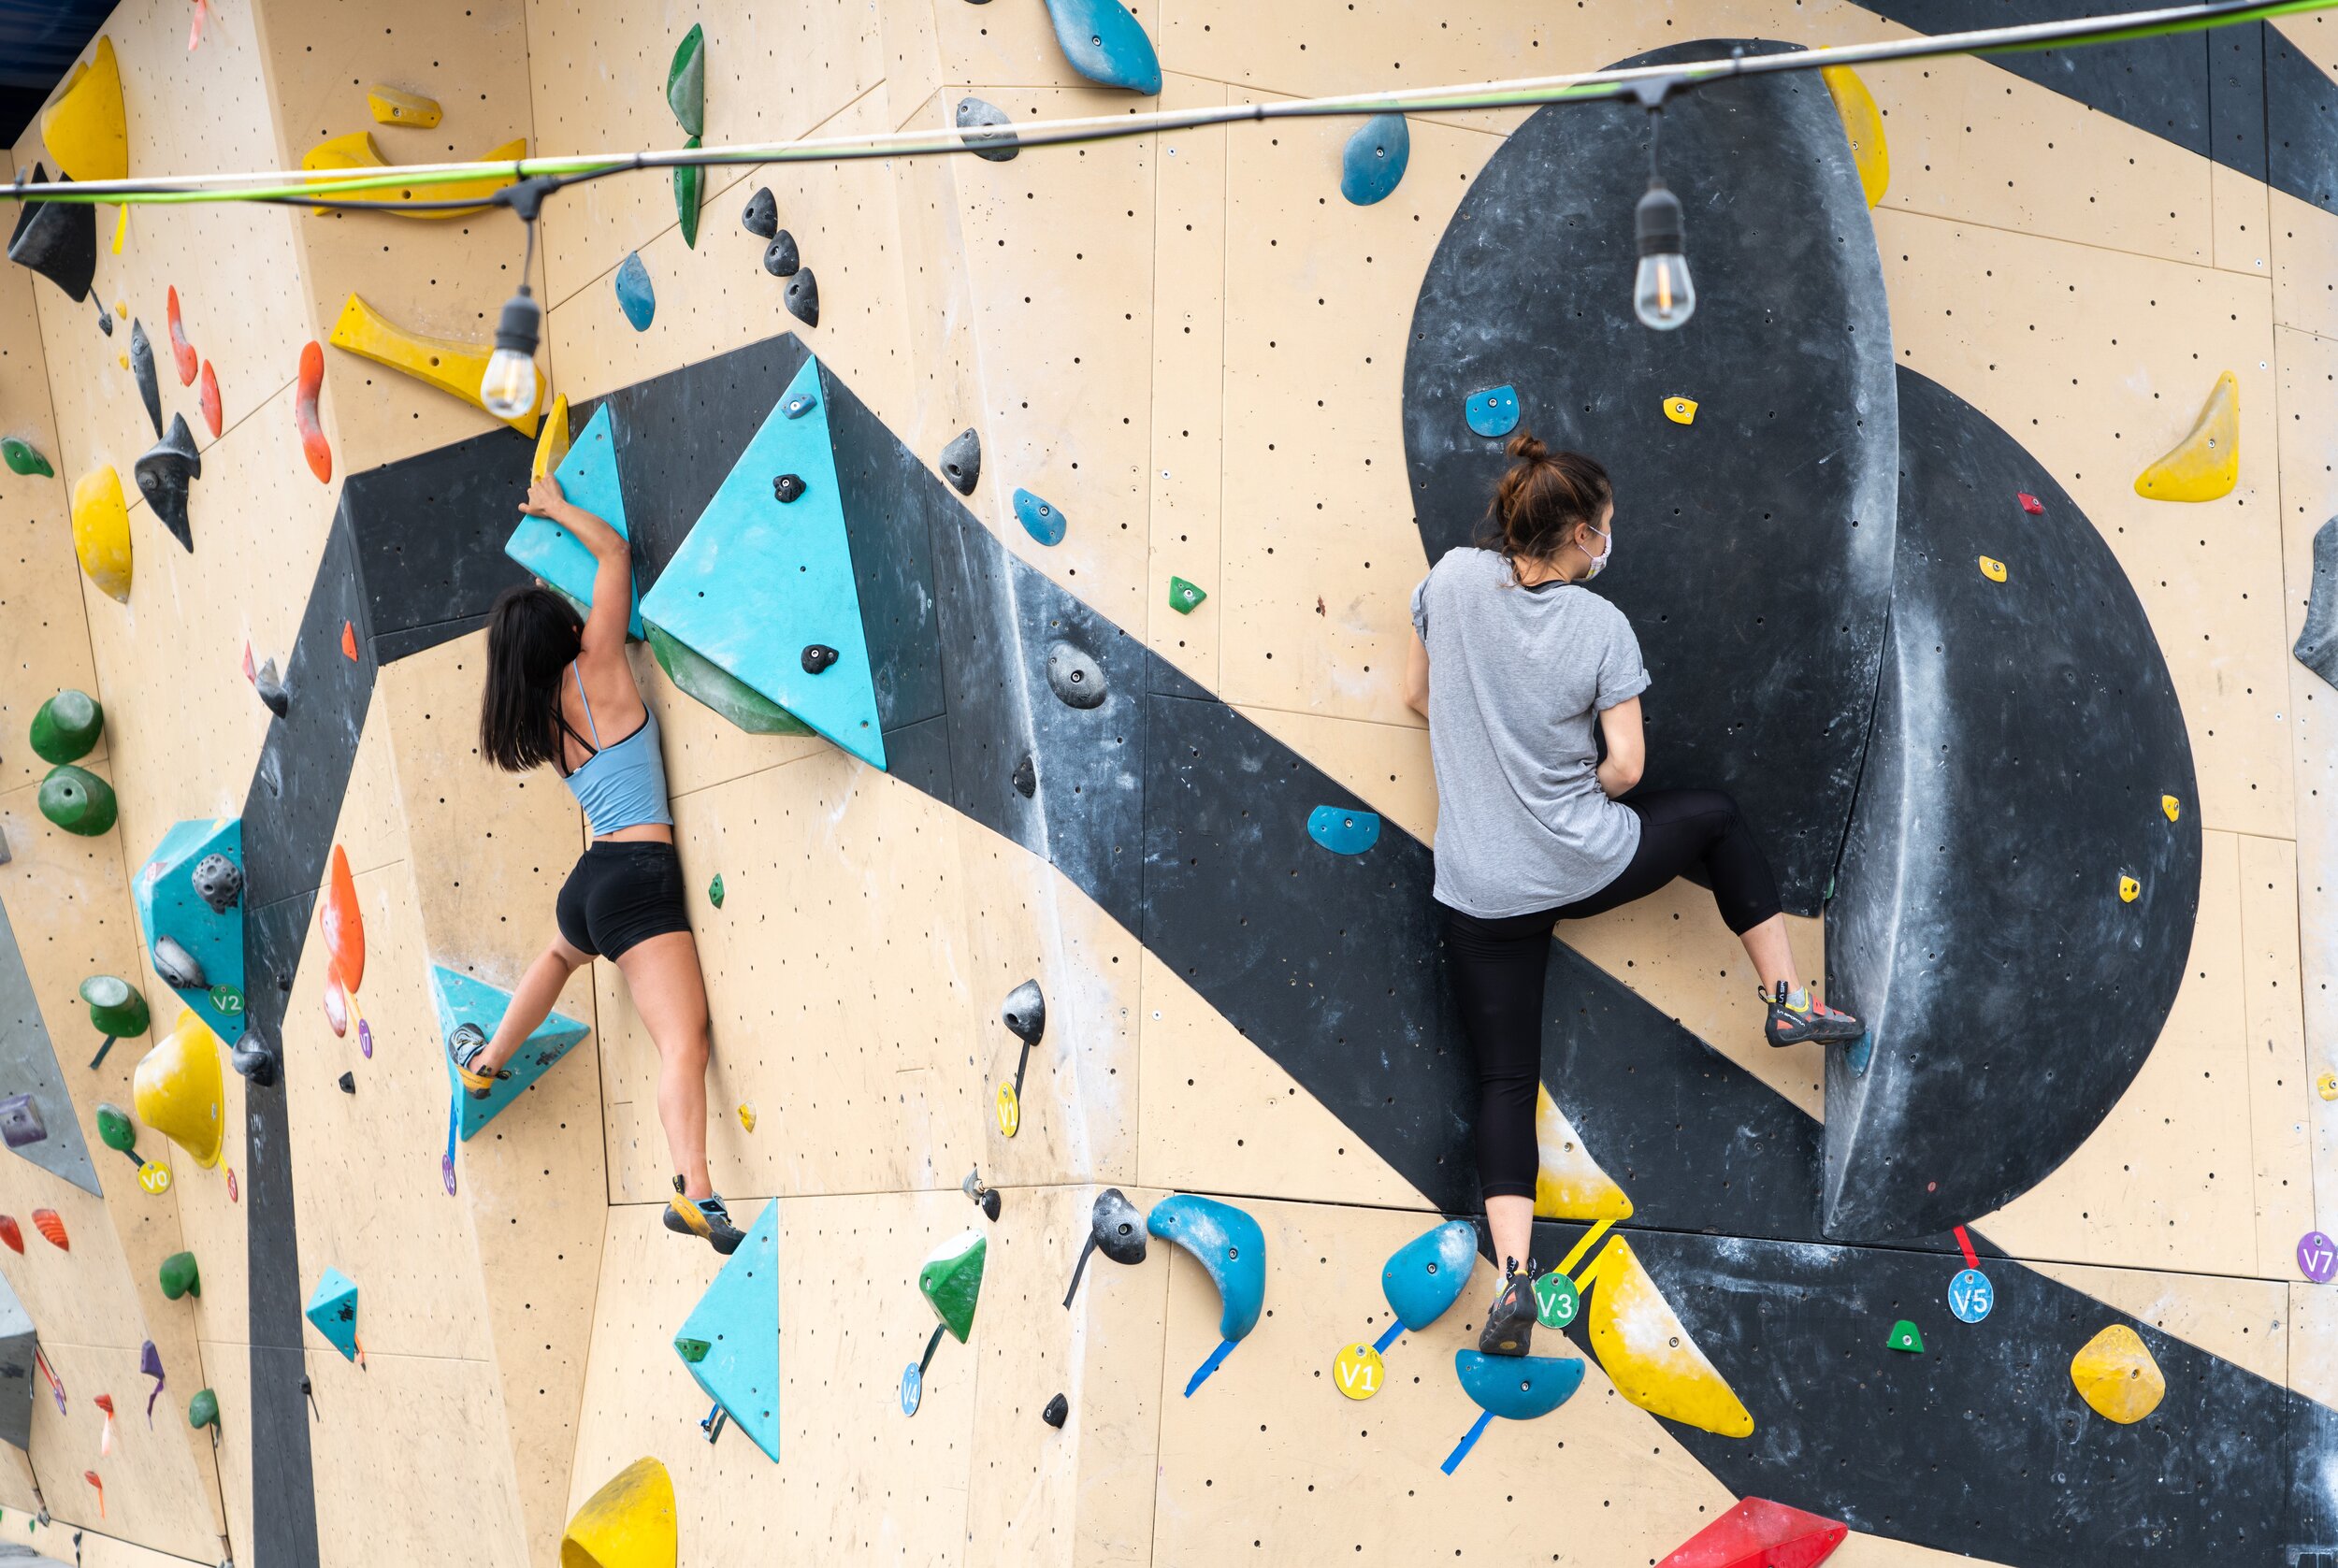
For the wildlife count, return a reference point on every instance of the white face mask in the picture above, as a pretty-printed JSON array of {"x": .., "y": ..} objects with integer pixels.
[{"x": 1599, "y": 562}]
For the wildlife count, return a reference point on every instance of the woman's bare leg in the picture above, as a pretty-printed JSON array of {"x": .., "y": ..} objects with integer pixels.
[
  {"x": 1772, "y": 954},
  {"x": 1512, "y": 1218},
  {"x": 531, "y": 1003},
  {"x": 670, "y": 994}
]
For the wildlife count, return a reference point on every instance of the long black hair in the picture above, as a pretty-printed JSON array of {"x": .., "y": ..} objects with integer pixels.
[{"x": 532, "y": 634}]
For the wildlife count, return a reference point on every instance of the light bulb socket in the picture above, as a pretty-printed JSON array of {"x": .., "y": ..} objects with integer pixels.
[
  {"x": 522, "y": 320},
  {"x": 1658, "y": 217}
]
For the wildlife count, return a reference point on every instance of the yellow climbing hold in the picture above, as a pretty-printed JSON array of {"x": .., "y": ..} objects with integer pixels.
[
  {"x": 629, "y": 1523},
  {"x": 746, "y": 1115},
  {"x": 177, "y": 1089},
  {"x": 553, "y": 444},
  {"x": 1647, "y": 1352},
  {"x": 2113, "y": 1371},
  {"x": 356, "y": 151},
  {"x": 2327, "y": 1086},
  {"x": 1570, "y": 1184},
  {"x": 122, "y": 227},
  {"x": 1993, "y": 569},
  {"x": 452, "y": 368},
  {"x": 1863, "y": 125},
  {"x": 2206, "y": 463},
  {"x": 391, "y": 107},
  {"x": 85, "y": 129},
  {"x": 101, "y": 531},
  {"x": 2171, "y": 806},
  {"x": 2130, "y": 889},
  {"x": 1680, "y": 410}
]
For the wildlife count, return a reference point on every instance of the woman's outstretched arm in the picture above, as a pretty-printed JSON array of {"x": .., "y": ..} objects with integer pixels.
[{"x": 612, "y": 560}]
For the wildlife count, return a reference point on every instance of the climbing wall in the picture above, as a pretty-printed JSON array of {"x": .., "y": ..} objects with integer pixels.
[{"x": 1138, "y": 450}]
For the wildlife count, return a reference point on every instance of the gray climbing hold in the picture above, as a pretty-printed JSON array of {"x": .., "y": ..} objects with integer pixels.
[
  {"x": 1374, "y": 159},
  {"x": 788, "y": 488},
  {"x": 962, "y": 461},
  {"x": 58, "y": 241},
  {"x": 142, "y": 367},
  {"x": 272, "y": 689},
  {"x": 1077, "y": 679},
  {"x": 997, "y": 147},
  {"x": 349, "y": 1083},
  {"x": 779, "y": 256},
  {"x": 1116, "y": 1226},
  {"x": 2317, "y": 643},
  {"x": 761, "y": 218},
  {"x": 1026, "y": 779},
  {"x": 20, "y": 1123},
  {"x": 1025, "y": 1013},
  {"x": 1057, "y": 1410},
  {"x": 105, "y": 319},
  {"x": 165, "y": 474},
  {"x": 804, "y": 296},
  {"x": 218, "y": 882},
  {"x": 817, "y": 657},
  {"x": 177, "y": 966}
]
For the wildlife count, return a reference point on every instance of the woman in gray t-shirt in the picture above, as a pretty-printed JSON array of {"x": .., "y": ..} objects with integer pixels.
[{"x": 1514, "y": 661}]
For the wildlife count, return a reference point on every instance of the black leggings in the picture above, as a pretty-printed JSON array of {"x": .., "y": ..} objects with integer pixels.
[{"x": 1498, "y": 965}]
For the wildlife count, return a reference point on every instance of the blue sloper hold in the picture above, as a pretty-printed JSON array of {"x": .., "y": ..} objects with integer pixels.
[
  {"x": 1344, "y": 829},
  {"x": 1518, "y": 1387},
  {"x": 635, "y": 297},
  {"x": 589, "y": 477},
  {"x": 461, "y": 999},
  {"x": 169, "y": 907},
  {"x": 1230, "y": 1248},
  {"x": 1427, "y": 1274},
  {"x": 730, "y": 1340},
  {"x": 1493, "y": 411},
  {"x": 1041, "y": 519},
  {"x": 1374, "y": 160},
  {"x": 1105, "y": 44},
  {"x": 756, "y": 582},
  {"x": 332, "y": 1308}
]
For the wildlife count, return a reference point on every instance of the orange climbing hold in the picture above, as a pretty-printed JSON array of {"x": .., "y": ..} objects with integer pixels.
[
  {"x": 91, "y": 1476},
  {"x": 207, "y": 398},
  {"x": 48, "y": 1224},
  {"x": 12, "y": 1234},
  {"x": 179, "y": 348},
  {"x": 349, "y": 642},
  {"x": 1760, "y": 1533},
  {"x": 344, "y": 923},
  {"x": 305, "y": 411}
]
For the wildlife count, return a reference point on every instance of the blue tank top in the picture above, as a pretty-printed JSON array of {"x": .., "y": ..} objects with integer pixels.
[{"x": 621, "y": 785}]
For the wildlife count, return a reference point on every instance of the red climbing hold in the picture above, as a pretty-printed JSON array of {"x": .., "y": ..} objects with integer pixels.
[
  {"x": 47, "y": 1224},
  {"x": 179, "y": 348},
  {"x": 11, "y": 1233},
  {"x": 207, "y": 397},
  {"x": 1760, "y": 1534},
  {"x": 91, "y": 1476},
  {"x": 2029, "y": 503},
  {"x": 344, "y": 925},
  {"x": 305, "y": 413},
  {"x": 349, "y": 642}
]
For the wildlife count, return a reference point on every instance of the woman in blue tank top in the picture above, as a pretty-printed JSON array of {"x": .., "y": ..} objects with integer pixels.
[{"x": 560, "y": 691}]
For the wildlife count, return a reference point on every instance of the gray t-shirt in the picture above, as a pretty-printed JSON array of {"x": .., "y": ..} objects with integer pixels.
[{"x": 1517, "y": 677}]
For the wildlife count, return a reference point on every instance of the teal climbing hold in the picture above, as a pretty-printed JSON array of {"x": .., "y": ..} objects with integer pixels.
[
  {"x": 1518, "y": 1387},
  {"x": 685, "y": 83},
  {"x": 756, "y": 582},
  {"x": 1105, "y": 44},
  {"x": 1374, "y": 160},
  {"x": 1344, "y": 829},
  {"x": 1040, "y": 519},
  {"x": 332, "y": 1308},
  {"x": 190, "y": 893},
  {"x": 589, "y": 477},
  {"x": 1427, "y": 1274},
  {"x": 635, "y": 295},
  {"x": 1230, "y": 1248},
  {"x": 461, "y": 999},
  {"x": 1493, "y": 411},
  {"x": 730, "y": 1340}
]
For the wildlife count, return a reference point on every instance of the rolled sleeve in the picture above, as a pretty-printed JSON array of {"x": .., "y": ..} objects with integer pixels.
[{"x": 1622, "y": 675}]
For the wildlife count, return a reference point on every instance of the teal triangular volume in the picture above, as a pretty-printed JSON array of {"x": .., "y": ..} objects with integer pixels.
[
  {"x": 168, "y": 906},
  {"x": 738, "y": 1322},
  {"x": 44, "y": 1127},
  {"x": 760, "y": 580},
  {"x": 462, "y": 1000},
  {"x": 332, "y": 1308},
  {"x": 589, "y": 477}
]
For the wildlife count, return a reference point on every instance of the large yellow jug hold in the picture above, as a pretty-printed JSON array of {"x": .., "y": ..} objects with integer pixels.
[
  {"x": 2206, "y": 465},
  {"x": 178, "y": 1089},
  {"x": 101, "y": 531},
  {"x": 629, "y": 1523},
  {"x": 86, "y": 130},
  {"x": 2113, "y": 1371}
]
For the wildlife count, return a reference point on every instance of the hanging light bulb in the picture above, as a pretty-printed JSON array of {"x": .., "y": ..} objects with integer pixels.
[
  {"x": 509, "y": 387},
  {"x": 1663, "y": 295}
]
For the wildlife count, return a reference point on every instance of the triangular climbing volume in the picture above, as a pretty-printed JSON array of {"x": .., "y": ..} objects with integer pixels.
[
  {"x": 589, "y": 477},
  {"x": 462, "y": 1000},
  {"x": 763, "y": 588},
  {"x": 730, "y": 1341},
  {"x": 36, "y": 1111},
  {"x": 1758, "y": 1534}
]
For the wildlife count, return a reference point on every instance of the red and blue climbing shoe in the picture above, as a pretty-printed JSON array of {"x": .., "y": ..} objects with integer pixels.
[
  {"x": 1509, "y": 1328},
  {"x": 707, "y": 1218},
  {"x": 462, "y": 1048},
  {"x": 1795, "y": 1018}
]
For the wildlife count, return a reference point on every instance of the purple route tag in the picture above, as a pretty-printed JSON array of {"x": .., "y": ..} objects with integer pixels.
[{"x": 2318, "y": 1257}]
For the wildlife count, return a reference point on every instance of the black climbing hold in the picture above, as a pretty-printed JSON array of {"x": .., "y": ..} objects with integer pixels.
[
  {"x": 804, "y": 297},
  {"x": 1118, "y": 1228},
  {"x": 58, "y": 241},
  {"x": 105, "y": 319},
  {"x": 349, "y": 1083},
  {"x": 817, "y": 656},
  {"x": 1026, "y": 779},
  {"x": 787, "y": 487},
  {"x": 1025, "y": 1013},
  {"x": 761, "y": 218},
  {"x": 2318, "y": 642},
  {"x": 1058, "y": 1409},
  {"x": 166, "y": 473},
  {"x": 142, "y": 367},
  {"x": 779, "y": 257},
  {"x": 177, "y": 967},
  {"x": 253, "y": 1060},
  {"x": 984, "y": 1198},
  {"x": 1077, "y": 678},
  {"x": 962, "y": 461},
  {"x": 997, "y": 147},
  {"x": 272, "y": 689},
  {"x": 218, "y": 882}
]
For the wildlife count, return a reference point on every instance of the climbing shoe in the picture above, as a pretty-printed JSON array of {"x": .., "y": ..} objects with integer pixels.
[
  {"x": 707, "y": 1218},
  {"x": 462, "y": 1048},
  {"x": 1795, "y": 1018},
  {"x": 1510, "y": 1320}
]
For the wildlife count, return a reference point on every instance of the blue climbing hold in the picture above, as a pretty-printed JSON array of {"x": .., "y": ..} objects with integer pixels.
[
  {"x": 1231, "y": 1249},
  {"x": 756, "y": 582},
  {"x": 1040, "y": 519},
  {"x": 1344, "y": 829},
  {"x": 1493, "y": 411},
  {"x": 461, "y": 999},
  {"x": 1427, "y": 1274},
  {"x": 635, "y": 297},
  {"x": 797, "y": 404},
  {"x": 589, "y": 477},
  {"x": 196, "y": 903},
  {"x": 1518, "y": 1387},
  {"x": 1374, "y": 160},
  {"x": 332, "y": 1308},
  {"x": 734, "y": 1333},
  {"x": 1105, "y": 44}
]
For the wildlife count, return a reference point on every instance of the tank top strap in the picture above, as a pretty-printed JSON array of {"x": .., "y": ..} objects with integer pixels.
[{"x": 579, "y": 677}]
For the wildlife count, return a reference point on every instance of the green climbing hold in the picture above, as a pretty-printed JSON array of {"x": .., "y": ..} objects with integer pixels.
[
  {"x": 715, "y": 891},
  {"x": 688, "y": 180},
  {"x": 115, "y": 1006},
  {"x": 77, "y": 800},
  {"x": 180, "y": 1278},
  {"x": 23, "y": 459},
  {"x": 115, "y": 1126},
  {"x": 1905, "y": 1337},
  {"x": 692, "y": 1350},
  {"x": 203, "y": 1410},
  {"x": 68, "y": 727},
  {"x": 720, "y": 690},
  {"x": 686, "y": 84},
  {"x": 1184, "y": 596},
  {"x": 951, "y": 1280}
]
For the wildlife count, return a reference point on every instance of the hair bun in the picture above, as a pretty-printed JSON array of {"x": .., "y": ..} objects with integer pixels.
[{"x": 1527, "y": 449}]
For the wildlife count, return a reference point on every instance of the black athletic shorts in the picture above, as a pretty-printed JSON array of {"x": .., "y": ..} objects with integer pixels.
[{"x": 621, "y": 894}]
